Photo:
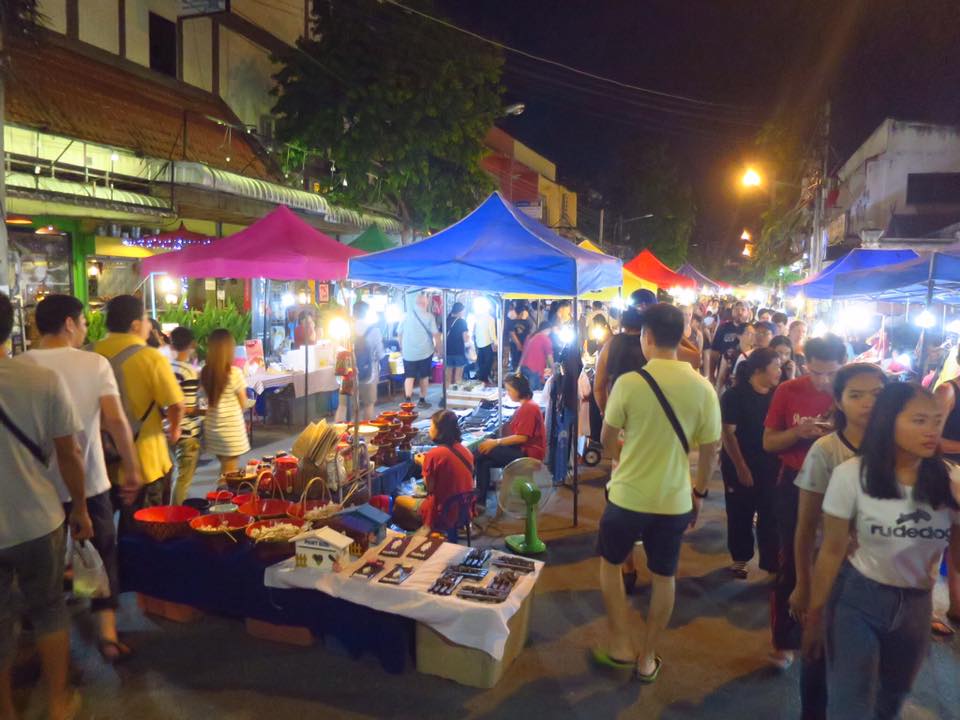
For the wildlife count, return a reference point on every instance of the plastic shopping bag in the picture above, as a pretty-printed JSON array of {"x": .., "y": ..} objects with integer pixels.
[{"x": 90, "y": 578}]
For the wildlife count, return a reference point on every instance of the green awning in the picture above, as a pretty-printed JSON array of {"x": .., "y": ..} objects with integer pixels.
[{"x": 373, "y": 239}]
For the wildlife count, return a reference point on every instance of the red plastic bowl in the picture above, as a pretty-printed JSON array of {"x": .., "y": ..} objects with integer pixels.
[
  {"x": 165, "y": 522},
  {"x": 219, "y": 496},
  {"x": 272, "y": 551},
  {"x": 263, "y": 509},
  {"x": 298, "y": 509}
]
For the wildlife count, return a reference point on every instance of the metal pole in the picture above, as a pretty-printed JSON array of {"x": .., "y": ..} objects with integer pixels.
[
  {"x": 153, "y": 297},
  {"x": 576, "y": 415},
  {"x": 922, "y": 360},
  {"x": 499, "y": 373},
  {"x": 443, "y": 311},
  {"x": 600, "y": 234},
  {"x": 306, "y": 384}
]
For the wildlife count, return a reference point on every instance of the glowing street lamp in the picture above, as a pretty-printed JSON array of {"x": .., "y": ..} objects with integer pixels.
[
  {"x": 746, "y": 236},
  {"x": 751, "y": 178}
]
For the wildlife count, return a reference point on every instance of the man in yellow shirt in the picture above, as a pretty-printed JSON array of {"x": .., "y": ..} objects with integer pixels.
[
  {"x": 148, "y": 390},
  {"x": 662, "y": 412}
]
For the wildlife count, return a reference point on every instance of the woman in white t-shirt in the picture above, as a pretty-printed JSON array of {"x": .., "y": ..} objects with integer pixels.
[
  {"x": 874, "y": 610},
  {"x": 225, "y": 432},
  {"x": 855, "y": 391}
]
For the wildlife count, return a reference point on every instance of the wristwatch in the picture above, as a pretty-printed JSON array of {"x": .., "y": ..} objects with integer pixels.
[{"x": 703, "y": 495}]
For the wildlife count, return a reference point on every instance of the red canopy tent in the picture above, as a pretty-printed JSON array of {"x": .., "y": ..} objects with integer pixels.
[
  {"x": 279, "y": 246},
  {"x": 647, "y": 266}
]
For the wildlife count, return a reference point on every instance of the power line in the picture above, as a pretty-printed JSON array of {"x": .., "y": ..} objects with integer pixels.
[{"x": 555, "y": 63}]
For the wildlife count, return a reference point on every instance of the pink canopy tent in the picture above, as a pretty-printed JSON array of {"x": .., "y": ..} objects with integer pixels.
[{"x": 279, "y": 246}]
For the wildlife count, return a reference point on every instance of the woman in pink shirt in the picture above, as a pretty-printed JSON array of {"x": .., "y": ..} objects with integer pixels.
[{"x": 537, "y": 357}]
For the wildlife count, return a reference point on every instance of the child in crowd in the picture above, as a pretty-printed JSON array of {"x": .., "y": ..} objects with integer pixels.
[{"x": 187, "y": 450}]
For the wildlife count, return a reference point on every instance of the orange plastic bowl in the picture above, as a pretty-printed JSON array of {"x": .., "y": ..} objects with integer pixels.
[
  {"x": 264, "y": 509},
  {"x": 165, "y": 522},
  {"x": 243, "y": 498}
]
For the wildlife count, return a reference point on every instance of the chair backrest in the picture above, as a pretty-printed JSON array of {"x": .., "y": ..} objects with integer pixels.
[{"x": 455, "y": 512}]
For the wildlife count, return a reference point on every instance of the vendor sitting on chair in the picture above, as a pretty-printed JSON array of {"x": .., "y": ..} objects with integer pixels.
[
  {"x": 447, "y": 471},
  {"x": 525, "y": 437}
]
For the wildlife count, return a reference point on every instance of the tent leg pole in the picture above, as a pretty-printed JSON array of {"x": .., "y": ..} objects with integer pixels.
[
  {"x": 499, "y": 372},
  {"x": 575, "y": 440},
  {"x": 153, "y": 296},
  {"x": 306, "y": 384},
  {"x": 443, "y": 311}
]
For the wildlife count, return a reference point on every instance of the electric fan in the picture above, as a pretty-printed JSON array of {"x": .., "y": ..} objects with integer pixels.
[{"x": 525, "y": 487}]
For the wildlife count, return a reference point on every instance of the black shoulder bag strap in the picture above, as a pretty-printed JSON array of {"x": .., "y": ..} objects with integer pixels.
[
  {"x": 461, "y": 458},
  {"x": 24, "y": 440},
  {"x": 423, "y": 325},
  {"x": 667, "y": 408}
]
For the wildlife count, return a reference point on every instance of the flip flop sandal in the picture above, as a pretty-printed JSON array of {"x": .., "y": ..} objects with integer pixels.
[
  {"x": 603, "y": 659},
  {"x": 652, "y": 677},
  {"x": 941, "y": 628},
  {"x": 120, "y": 651}
]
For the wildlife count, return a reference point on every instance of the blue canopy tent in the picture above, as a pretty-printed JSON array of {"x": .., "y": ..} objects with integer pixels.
[
  {"x": 930, "y": 277},
  {"x": 821, "y": 286},
  {"x": 702, "y": 280},
  {"x": 498, "y": 249},
  {"x": 495, "y": 249}
]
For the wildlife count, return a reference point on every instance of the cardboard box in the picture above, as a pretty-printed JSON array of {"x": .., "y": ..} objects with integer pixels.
[
  {"x": 287, "y": 634},
  {"x": 436, "y": 655}
]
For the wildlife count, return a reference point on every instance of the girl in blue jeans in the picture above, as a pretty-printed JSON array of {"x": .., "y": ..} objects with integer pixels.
[{"x": 873, "y": 607}]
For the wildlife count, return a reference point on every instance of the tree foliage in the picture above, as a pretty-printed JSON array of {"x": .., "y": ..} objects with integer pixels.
[
  {"x": 648, "y": 180},
  {"x": 397, "y": 104},
  {"x": 791, "y": 180}
]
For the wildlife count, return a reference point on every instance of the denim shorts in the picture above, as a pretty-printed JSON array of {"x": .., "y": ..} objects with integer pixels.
[
  {"x": 662, "y": 536},
  {"x": 36, "y": 567},
  {"x": 456, "y": 361}
]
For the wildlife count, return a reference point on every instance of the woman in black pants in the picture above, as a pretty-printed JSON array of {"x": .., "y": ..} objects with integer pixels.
[{"x": 525, "y": 436}]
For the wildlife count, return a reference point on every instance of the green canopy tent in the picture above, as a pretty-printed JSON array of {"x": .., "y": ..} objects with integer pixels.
[{"x": 372, "y": 240}]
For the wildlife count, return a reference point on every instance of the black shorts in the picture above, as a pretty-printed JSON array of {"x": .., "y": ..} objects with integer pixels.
[
  {"x": 661, "y": 536},
  {"x": 418, "y": 369}
]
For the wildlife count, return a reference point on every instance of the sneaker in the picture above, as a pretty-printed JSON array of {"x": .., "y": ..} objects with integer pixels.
[
  {"x": 781, "y": 659},
  {"x": 423, "y": 404},
  {"x": 739, "y": 570}
]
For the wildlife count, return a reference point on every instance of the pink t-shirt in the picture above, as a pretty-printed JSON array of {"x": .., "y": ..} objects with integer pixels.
[{"x": 535, "y": 353}]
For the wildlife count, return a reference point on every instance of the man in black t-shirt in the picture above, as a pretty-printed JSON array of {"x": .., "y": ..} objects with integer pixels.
[
  {"x": 516, "y": 331},
  {"x": 726, "y": 342}
]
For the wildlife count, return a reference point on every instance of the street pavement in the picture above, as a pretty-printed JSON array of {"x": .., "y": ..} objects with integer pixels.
[{"x": 713, "y": 652}]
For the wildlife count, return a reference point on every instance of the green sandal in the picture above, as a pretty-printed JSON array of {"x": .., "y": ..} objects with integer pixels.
[
  {"x": 603, "y": 659},
  {"x": 652, "y": 677}
]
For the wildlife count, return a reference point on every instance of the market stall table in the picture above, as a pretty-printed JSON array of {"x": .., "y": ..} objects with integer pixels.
[
  {"x": 466, "y": 624},
  {"x": 231, "y": 584}
]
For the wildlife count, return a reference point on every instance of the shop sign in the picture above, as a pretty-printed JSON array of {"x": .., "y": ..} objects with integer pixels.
[{"x": 203, "y": 7}]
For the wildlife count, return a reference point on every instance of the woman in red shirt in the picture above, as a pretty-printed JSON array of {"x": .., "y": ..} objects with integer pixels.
[
  {"x": 537, "y": 357},
  {"x": 447, "y": 471},
  {"x": 525, "y": 437}
]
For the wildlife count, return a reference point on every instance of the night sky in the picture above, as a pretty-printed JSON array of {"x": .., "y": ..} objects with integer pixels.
[{"x": 750, "y": 61}]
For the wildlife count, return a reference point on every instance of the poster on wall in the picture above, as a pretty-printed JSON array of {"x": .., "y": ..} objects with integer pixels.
[{"x": 323, "y": 292}]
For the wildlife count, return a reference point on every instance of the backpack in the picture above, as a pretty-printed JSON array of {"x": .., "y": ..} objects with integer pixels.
[
  {"x": 110, "y": 452},
  {"x": 364, "y": 352}
]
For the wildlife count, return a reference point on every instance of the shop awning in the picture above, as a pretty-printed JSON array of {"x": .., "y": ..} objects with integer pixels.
[
  {"x": 496, "y": 248},
  {"x": 279, "y": 246},
  {"x": 821, "y": 286},
  {"x": 647, "y": 266},
  {"x": 932, "y": 276},
  {"x": 702, "y": 280}
]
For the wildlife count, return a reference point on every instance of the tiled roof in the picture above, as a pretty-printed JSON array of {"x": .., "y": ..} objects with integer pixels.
[{"x": 93, "y": 96}]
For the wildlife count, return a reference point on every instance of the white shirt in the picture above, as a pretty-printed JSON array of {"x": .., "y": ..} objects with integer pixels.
[
  {"x": 88, "y": 377},
  {"x": 899, "y": 541},
  {"x": 485, "y": 331},
  {"x": 36, "y": 400},
  {"x": 826, "y": 454}
]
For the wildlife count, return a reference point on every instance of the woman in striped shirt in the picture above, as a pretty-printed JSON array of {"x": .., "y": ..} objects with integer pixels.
[{"x": 224, "y": 429}]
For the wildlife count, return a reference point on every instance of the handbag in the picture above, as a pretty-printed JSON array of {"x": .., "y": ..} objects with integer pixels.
[{"x": 667, "y": 409}]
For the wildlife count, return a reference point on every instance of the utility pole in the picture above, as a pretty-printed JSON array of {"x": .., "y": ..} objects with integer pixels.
[{"x": 817, "y": 244}]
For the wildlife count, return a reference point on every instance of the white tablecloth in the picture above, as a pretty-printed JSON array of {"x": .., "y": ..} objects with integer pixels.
[
  {"x": 466, "y": 622},
  {"x": 321, "y": 380}
]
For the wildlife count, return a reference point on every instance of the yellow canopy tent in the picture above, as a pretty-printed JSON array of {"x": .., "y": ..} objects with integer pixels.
[{"x": 630, "y": 283}]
